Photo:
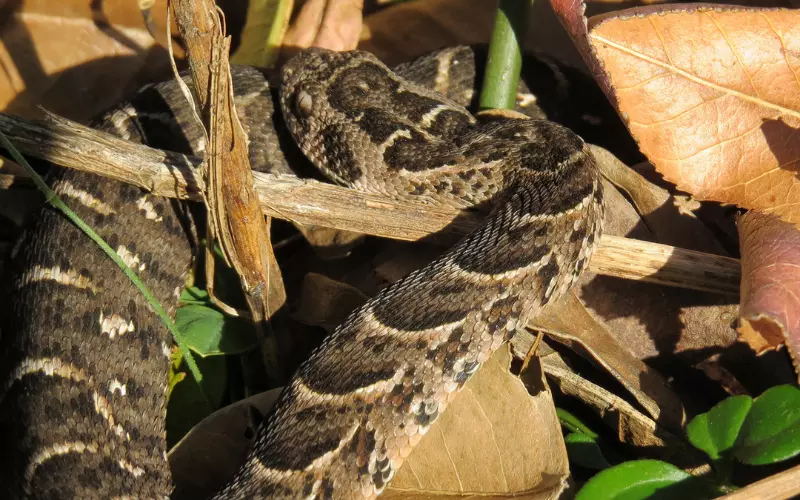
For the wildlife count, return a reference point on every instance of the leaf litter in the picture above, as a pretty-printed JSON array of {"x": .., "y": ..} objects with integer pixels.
[{"x": 708, "y": 123}]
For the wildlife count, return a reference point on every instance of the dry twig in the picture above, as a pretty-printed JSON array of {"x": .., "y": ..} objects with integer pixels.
[
  {"x": 234, "y": 212},
  {"x": 309, "y": 202}
]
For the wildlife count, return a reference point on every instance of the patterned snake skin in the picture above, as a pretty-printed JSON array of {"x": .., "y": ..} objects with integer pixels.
[{"x": 83, "y": 362}]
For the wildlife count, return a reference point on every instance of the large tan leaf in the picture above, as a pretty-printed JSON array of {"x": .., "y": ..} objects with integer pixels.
[
  {"x": 495, "y": 441},
  {"x": 711, "y": 93}
]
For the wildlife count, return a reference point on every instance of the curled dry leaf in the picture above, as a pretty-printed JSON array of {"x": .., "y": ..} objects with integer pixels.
[
  {"x": 630, "y": 425},
  {"x": 515, "y": 444},
  {"x": 568, "y": 322},
  {"x": 769, "y": 314},
  {"x": 211, "y": 453},
  {"x": 711, "y": 94}
]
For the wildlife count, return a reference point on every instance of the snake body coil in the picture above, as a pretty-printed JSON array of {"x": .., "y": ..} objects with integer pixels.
[{"x": 84, "y": 374}]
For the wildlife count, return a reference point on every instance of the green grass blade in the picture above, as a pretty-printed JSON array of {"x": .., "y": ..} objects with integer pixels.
[
  {"x": 52, "y": 198},
  {"x": 504, "y": 62}
]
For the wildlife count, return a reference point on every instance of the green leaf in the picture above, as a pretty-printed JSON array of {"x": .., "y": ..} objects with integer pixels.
[
  {"x": 52, "y": 199},
  {"x": 641, "y": 479},
  {"x": 187, "y": 404},
  {"x": 583, "y": 450},
  {"x": 573, "y": 423},
  {"x": 209, "y": 332},
  {"x": 771, "y": 431},
  {"x": 715, "y": 432},
  {"x": 194, "y": 295}
]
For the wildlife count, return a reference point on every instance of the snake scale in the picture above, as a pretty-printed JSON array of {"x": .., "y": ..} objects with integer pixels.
[{"x": 83, "y": 362}]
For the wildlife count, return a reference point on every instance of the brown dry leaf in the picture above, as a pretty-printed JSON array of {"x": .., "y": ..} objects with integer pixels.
[
  {"x": 75, "y": 58},
  {"x": 630, "y": 425},
  {"x": 211, "y": 453},
  {"x": 407, "y": 30},
  {"x": 568, "y": 322},
  {"x": 329, "y": 243},
  {"x": 495, "y": 441},
  {"x": 326, "y": 302},
  {"x": 769, "y": 314},
  {"x": 331, "y": 24},
  {"x": 653, "y": 322},
  {"x": 711, "y": 93},
  {"x": 663, "y": 213},
  {"x": 656, "y": 323}
]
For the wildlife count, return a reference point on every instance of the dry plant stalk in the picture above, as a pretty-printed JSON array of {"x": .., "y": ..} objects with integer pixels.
[
  {"x": 780, "y": 486},
  {"x": 165, "y": 173},
  {"x": 235, "y": 218}
]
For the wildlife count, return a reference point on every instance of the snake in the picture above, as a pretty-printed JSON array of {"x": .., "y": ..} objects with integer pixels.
[{"x": 84, "y": 361}]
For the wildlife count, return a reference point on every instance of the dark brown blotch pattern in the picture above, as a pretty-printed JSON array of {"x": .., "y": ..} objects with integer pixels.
[
  {"x": 379, "y": 125},
  {"x": 341, "y": 158}
]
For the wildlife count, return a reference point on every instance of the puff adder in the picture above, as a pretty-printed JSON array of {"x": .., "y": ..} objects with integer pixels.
[{"x": 83, "y": 362}]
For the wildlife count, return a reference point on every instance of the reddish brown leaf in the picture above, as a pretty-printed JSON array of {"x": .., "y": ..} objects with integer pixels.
[
  {"x": 769, "y": 314},
  {"x": 712, "y": 95}
]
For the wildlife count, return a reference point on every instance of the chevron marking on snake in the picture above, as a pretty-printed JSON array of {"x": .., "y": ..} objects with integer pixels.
[
  {"x": 68, "y": 277},
  {"x": 52, "y": 451},
  {"x": 84, "y": 198}
]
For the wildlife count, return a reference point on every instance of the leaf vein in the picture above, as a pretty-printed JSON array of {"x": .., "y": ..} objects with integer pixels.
[{"x": 697, "y": 79}]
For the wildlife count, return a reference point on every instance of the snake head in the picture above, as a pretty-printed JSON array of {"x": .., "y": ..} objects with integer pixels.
[
  {"x": 303, "y": 84},
  {"x": 318, "y": 86},
  {"x": 317, "y": 90}
]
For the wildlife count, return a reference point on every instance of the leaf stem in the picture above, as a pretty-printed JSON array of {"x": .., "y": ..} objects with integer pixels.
[
  {"x": 52, "y": 199},
  {"x": 504, "y": 62},
  {"x": 724, "y": 471}
]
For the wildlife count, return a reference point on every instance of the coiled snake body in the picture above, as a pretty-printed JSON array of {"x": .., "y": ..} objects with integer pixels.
[{"x": 83, "y": 372}]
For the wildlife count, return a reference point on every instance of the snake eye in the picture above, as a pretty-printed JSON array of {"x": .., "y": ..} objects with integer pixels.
[{"x": 303, "y": 103}]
